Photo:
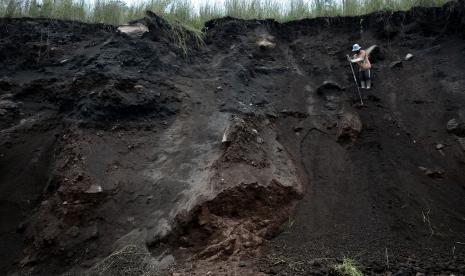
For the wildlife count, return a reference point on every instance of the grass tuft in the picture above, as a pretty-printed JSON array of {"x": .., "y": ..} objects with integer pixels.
[{"x": 347, "y": 268}]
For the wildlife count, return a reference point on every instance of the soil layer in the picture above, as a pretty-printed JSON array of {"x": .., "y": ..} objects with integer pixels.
[{"x": 246, "y": 154}]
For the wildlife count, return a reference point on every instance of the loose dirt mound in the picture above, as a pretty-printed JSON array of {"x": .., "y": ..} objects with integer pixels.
[{"x": 249, "y": 154}]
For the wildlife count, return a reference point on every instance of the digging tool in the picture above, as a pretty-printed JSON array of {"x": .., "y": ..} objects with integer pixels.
[{"x": 355, "y": 79}]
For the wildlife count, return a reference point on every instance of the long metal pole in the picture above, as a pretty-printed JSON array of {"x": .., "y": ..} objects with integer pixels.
[{"x": 355, "y": 79}]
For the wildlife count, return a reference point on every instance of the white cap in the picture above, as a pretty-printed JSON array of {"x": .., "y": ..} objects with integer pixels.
[{"x": 356, "y": 47}]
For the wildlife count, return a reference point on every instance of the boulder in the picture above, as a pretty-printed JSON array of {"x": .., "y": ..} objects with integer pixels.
[{"x": 348, "y": 127}]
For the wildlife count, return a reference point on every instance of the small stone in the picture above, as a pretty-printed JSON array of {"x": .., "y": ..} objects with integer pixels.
[
  {"x": 94, "y": 189},
  {"x": 439, "y": 146},
  {"x": 408, "y": 56},
  {"x": 435, "y": 173},
  {"x": 139, "y": 87},
  {"x": 396, "y": 64}
]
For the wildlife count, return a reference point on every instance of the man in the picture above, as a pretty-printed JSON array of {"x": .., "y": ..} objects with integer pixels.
[{"x": 364, "y": 66}]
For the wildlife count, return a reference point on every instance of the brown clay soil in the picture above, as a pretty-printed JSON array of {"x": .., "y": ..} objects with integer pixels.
[{"x": 248, "y": 155}]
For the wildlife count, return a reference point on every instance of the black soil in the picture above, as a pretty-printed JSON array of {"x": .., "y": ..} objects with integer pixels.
[{"x": 102, "y": 134}]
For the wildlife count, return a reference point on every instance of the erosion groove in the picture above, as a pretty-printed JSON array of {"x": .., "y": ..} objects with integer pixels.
[{"x": 248, "y": 153}]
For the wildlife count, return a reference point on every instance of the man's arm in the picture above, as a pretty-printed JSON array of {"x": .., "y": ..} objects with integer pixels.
[{"x": 355, "y": 60}]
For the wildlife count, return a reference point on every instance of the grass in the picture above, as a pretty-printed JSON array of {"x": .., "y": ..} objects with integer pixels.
[
  {"x": 183, "y": 13},
  {"x": 347, "y": 268}
]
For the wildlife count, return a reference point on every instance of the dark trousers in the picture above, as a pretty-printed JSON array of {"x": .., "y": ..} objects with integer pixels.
[{"x": 364, "y": 75}]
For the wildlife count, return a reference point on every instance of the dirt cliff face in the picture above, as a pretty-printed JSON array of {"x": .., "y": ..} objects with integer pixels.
[{"x": 251, "y": 153}]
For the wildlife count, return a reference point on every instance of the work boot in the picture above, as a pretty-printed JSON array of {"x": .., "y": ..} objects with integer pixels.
[
  {"x": 363, "y": 85},
  {"x": 368, "y": 84}
]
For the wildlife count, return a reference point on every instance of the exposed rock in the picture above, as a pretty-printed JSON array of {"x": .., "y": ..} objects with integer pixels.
[
  {"x": 265, "y": 42},
  {"x": 456, "y": 126},
  {"x": 349, "y": 127},
  {"x": 135, "y": 30}
]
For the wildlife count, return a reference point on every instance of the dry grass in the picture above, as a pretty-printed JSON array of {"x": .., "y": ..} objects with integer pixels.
[
  {"x": 183, "y": 13},
  {"x": 347, "y": 268}
]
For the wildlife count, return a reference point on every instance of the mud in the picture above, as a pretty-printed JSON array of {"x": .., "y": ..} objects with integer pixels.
[{"x": 249, "y": 153}]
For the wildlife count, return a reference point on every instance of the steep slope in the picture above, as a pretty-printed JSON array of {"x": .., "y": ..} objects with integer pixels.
[{"x": 121, "y": 155}]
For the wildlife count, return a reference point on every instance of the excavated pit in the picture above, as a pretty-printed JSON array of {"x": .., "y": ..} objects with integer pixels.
[{"x": 130, "y": 154}]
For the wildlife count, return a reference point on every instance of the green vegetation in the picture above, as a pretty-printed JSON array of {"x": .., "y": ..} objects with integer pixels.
[
  {"x": 347, "y": 268},
  {"x": 182, "y": 11}
]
